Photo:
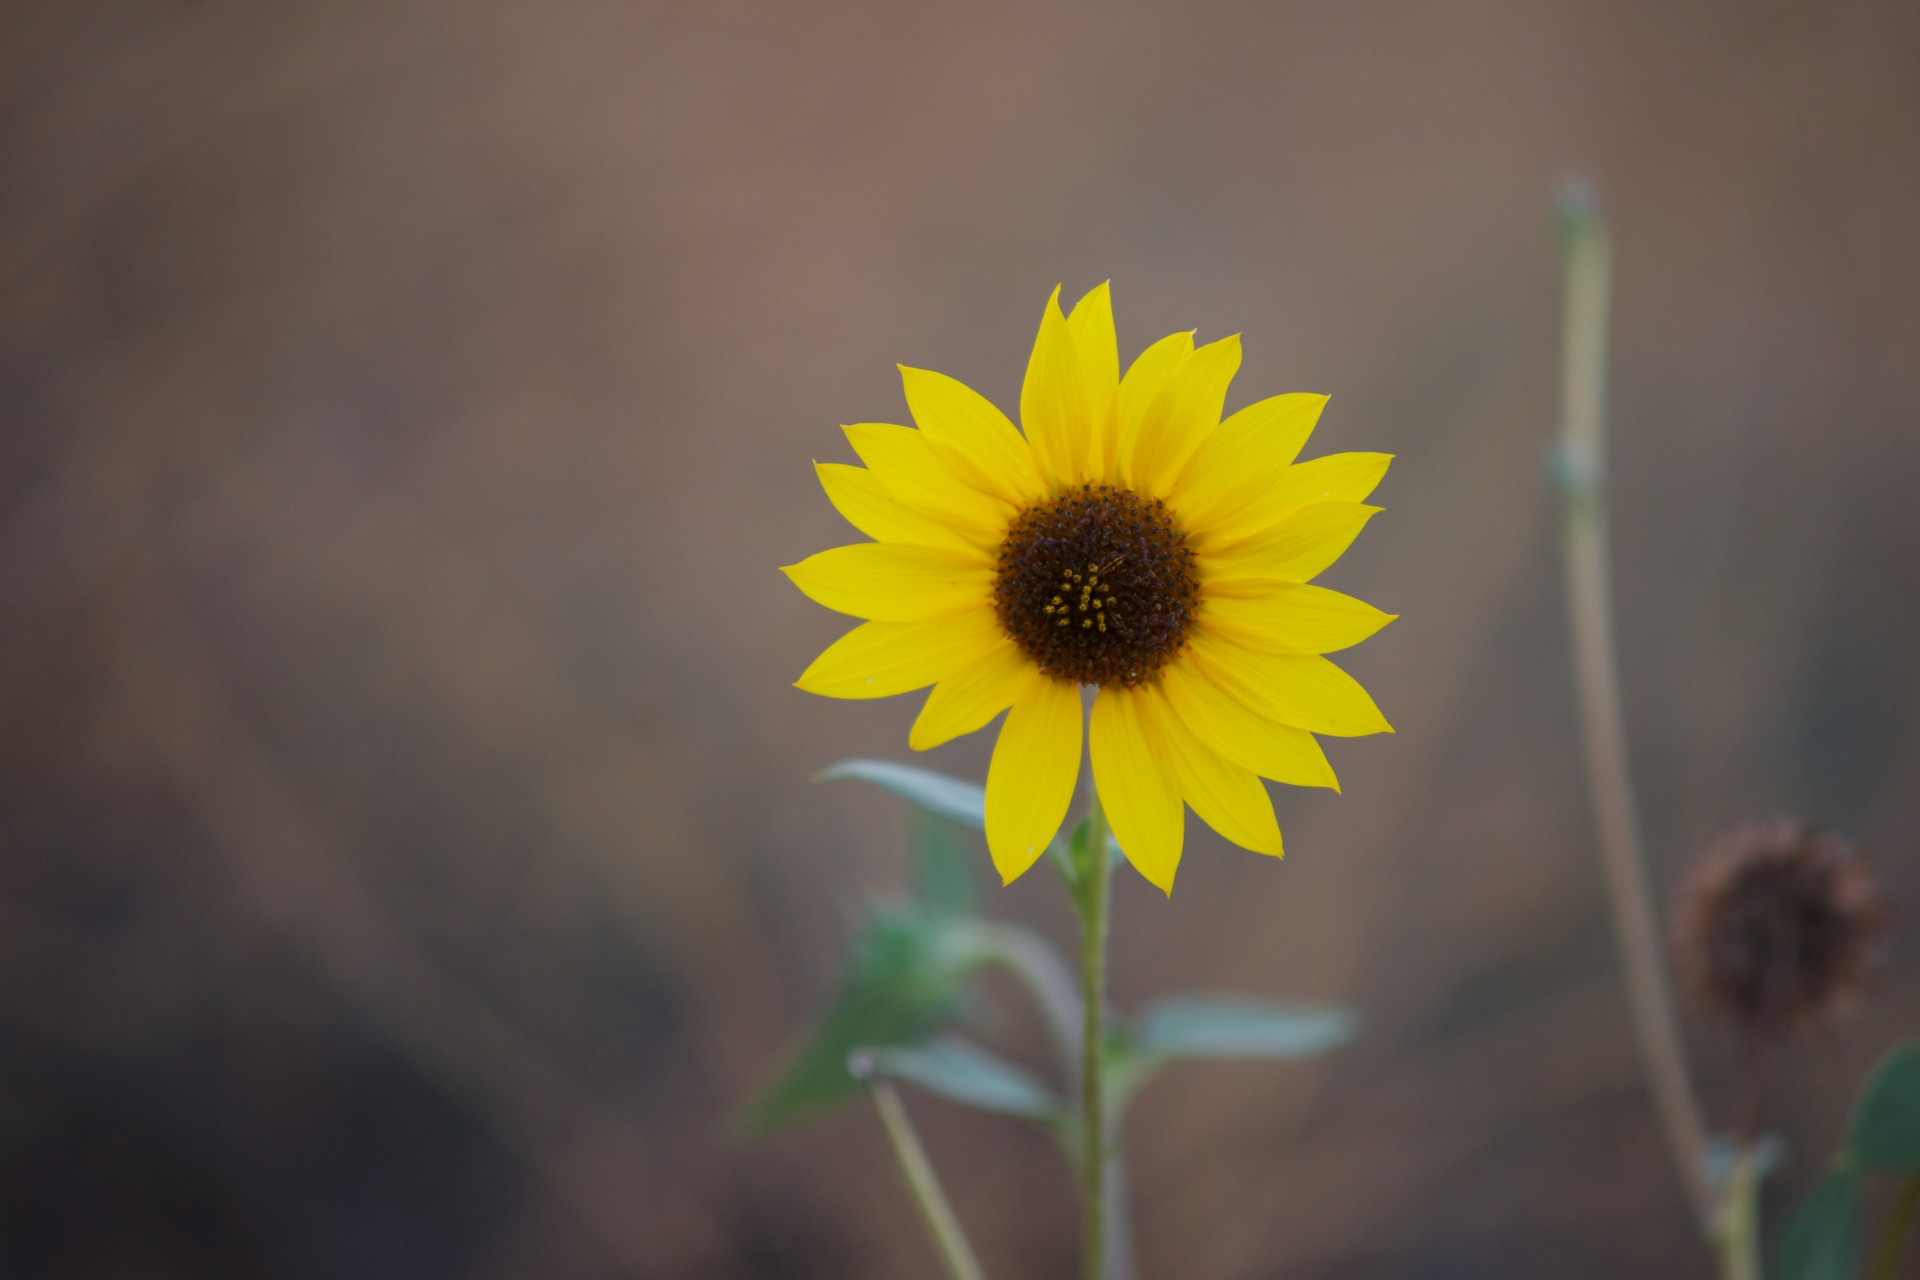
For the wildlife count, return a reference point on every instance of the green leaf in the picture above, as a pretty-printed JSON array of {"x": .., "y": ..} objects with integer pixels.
[
  {"x": 1222, "y": 1027},
  {"x": 936, "y": 793},
  {"x": 1822, "y": 1239},
  {"x": 904, "y": 976},
  {"x": 1886, "y": 1120},
  {"x": 1070, "y": 854},
  {"x": 965, "y": 1073},
  {"x": 943, "y": 882}
]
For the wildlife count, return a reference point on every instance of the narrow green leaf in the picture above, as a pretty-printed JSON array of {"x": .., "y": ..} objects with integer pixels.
[
  {"x": 1886, "y": 1120},
  {"x": 938, "y": 794},
  {"x": 965, "y": 1073},
  {"x": 1222, "y": 1027},
  {"x": 1822, "y": 1239}
]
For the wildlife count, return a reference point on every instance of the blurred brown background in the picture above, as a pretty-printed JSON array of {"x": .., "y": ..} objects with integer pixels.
[{"x": 407, "y": 858}]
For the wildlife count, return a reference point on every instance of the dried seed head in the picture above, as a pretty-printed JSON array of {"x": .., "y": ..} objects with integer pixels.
[{"x": 1777, "y": 928}]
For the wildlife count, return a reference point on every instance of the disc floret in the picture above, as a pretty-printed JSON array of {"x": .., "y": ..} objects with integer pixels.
[{"x": 1097, "y": 585}]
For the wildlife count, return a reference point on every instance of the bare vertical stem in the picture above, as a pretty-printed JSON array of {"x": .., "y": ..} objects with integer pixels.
[
  {"x": 949, "y": 1239},
  {"x": 1589, "y": 262},
  {"x": 1096, "y": 881},
  {"x": 1736, "y": 1238}
]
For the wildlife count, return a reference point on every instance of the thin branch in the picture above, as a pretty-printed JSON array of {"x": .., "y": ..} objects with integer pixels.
[
  {"x": 1582, "y": 468},
  {"x": 949, "y": 1238}
]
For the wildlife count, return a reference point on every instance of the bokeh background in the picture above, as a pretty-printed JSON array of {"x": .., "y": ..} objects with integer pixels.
[{"x": 407, "y": 856}]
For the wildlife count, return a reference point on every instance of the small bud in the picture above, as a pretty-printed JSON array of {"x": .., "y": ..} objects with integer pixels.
[{"x": 1778, "y": 928}]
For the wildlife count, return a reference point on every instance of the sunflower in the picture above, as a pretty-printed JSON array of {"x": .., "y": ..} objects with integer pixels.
[{"x": 1132, "y": 541}]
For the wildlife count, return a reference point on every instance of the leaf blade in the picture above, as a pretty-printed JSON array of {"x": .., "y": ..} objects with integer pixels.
[
  {"x": 1885, "y": 1132},
  {"x": 1822, "y": 1239},
  {"x": 1221, "y": 1027},
  {"x": 936, "y": 793},
  {"x": 962, "y": 1072}
]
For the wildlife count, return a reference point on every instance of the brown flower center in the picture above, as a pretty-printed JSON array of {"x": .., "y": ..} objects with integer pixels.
[{"x": 1097, "y": 585}]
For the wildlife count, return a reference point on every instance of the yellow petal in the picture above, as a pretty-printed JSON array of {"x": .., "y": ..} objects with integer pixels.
[
  {"x": 1146, "y": 379},
  {"x": 1142, "y": 802},
  {"x": 1227, "y": 796},
  {"x": 1338, "y": 477},
  {"x": 895, "y": 582},
  {"x": 1031, "y": 777},
  {"x": 1244, "y": 459},
  {"x": 1296, "y": 549},
  {"x": 862, "y": 497},
  {"x": 880, "y": 659},
  {"x": 1053, "y": 402},
  {"x": 1292, "y": 617},
  {"x": 971, "y": 434},
  {"x": 1184, "y": 413},
  {"x": 966, "y": 700},
  {"x": 1091, "y": 325},
  {"x": 1243, "y": 735},
  {"x": 918, "y": 477},
  {"x": 1303, "y": 690}
]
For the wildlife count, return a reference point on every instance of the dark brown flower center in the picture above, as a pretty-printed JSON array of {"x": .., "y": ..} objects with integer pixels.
[{"x": 1097, "y": 585}]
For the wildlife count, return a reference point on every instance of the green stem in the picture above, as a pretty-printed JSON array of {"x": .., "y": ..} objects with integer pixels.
[
  {"x": 948, "y": 1237},
  {"x": 1057, "y": 996},
  {"x": 1895, "y": 1235},
  {"x": 1096, "y": 880},
  {"x": 1582, "y": 465},
  {"x": 1736, "y": 1238}
]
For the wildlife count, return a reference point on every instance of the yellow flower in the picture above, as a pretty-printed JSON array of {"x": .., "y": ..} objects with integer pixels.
[{"x": 1131, "y": 540}]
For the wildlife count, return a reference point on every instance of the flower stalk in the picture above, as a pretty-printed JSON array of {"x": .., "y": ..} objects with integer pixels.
[
  {"x": 1095, "y": 884},
  {"x": 1581, "y": 471},
  {"x": 949, "y": 1238},
  {"x": 1737, "y": 1227}
]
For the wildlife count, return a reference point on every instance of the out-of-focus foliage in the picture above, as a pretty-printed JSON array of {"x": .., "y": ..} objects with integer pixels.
[
  {"x": 905, "y": 972},
  {"x": 965, "y": 1073},
  {"x": 1886, "y": 1123},
  {"x": 911, "y": 963},
  {"x": 935, "y": 793},
  {"x": 1822, "y": 1239},
  {"x": 1213, "y": 1027},
  {"x": 900, "y": 984}
]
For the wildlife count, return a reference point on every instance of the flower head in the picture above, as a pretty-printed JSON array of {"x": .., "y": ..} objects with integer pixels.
[
  {"x": 1778, "y": 927},
  {"x": 1130, "y": 541}
]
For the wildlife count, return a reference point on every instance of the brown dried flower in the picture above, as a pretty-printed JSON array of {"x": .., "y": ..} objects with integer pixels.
[{"x": 1778, "y": 927}]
